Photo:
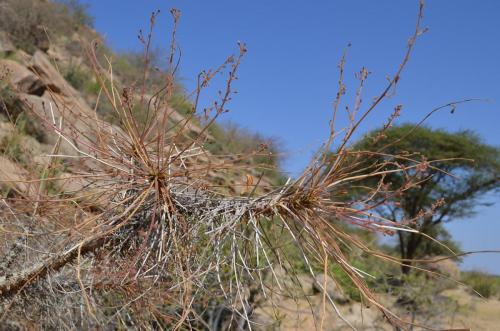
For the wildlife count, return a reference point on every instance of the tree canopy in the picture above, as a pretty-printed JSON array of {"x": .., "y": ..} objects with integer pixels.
[{"x": 449, "y": 176}]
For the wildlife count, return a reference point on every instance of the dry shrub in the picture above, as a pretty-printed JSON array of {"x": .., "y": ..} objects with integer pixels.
[{"x": 152, "y": 239}]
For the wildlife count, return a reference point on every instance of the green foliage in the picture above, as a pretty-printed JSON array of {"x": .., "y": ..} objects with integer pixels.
[
  {"x": 81, "y": 80},
  {"x": 233, "y": 139},
  {"x": 418, "y": 295},
  {"x": 455, "y": 168},
  {"x": 430, "y": 248},
  {"x": 27, "y": 125},
  {"x": 79, "y": 12},
  {"x": 129, "y": 67},
  {"x": 6, "y": 55},
  {"x": 486, "y": 285},
  {"x": 13, "y": 144},
  {"x": 128, "y": 73},
  {"x": 76, "y": 77},
  {"x": 181, "y": 104},
  {"x": 8, "y": 99},
  {"x": 345, "y": 283},
  {"x": 365, "y": 262}
]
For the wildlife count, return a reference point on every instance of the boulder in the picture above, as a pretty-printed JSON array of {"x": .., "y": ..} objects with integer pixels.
[
  {"x": 22, "y": 57},
  {"x": 39, "y": 111},
  {"x": 180, "y": 120},
  {"x": 71, "y": 183},
  {"x": 62, "y": 95},
  {"x": 6, "y": 46},
  {"x": 332, "y": 288},
  {"x": 361, "y": 318},
  {"x": 23, "y": 79},
  {"x": 28, "y": 146},
  {"x": 77, "y": 118},
  {"x": 33, "y": 108},
  {"x": 41, "y": 66},
  {"x": 300, "y": 284},
  {"x": 13, "y": 178}
]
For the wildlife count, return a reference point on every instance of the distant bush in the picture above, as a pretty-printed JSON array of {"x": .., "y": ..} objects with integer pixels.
[
  {"x": 76, "y": 77},
  {"x": 234, "y": 139},
  {"x": 81, "y": 79},
  {"x": 484, "y": 284},
  {"x": 78, "y": 11},
  {"x": 129, "y": 66},
  {"x": 181, "y": 104}
]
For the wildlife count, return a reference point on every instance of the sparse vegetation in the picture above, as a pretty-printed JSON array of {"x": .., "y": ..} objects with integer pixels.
[
  {"x": 488, "y": 286},
  {"x": 180, "y": 222},
  {"x": 78, "y": 12},
  {"x": 81, "y": 80},
  {"x": 10, "y": 146},
  {"x": 455, "y": 171},
  {"x": 8, "y": 98}
]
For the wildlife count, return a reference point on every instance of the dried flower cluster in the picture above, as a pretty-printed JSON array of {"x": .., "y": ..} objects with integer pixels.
[{"x": 151, "y": 238}]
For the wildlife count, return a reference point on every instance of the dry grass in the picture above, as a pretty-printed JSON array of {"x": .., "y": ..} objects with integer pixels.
[{"x": 152, "y": 239}]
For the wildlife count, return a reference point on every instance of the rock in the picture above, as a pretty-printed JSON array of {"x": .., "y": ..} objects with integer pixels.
[
  {"x": 33, "y": 108},
  {"x": 64, "y": 98},
  {"x": 361, "y": 318},
  {"x": 22, "y": 57},
  {"x": 13, "y": 178},
  {"x": 23, "y": 79},
  {"x": 188, "y": 126},
  {"x": 299, "y": 285},
  {"x": 38, "y": 110},
  {"x": 76, "y": 118},
  {"x": 71, "y": 183},
  {"x": 6, "y": 46},
  {"x": 52, "y": 79},
  {"x": 332, "y": 289},
  {"x": 26, "y": 144}
]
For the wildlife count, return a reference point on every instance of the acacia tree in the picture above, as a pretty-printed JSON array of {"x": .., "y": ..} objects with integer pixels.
[{"x": 455, "y": 173}]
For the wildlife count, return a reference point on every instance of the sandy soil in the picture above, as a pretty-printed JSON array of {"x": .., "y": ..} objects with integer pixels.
[{"x": 466, "y": 311}]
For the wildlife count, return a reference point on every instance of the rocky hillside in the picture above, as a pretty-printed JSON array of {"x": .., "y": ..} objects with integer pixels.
[
  {"x": 50, "y": 71},
  {"x": 76, "y": 138}
]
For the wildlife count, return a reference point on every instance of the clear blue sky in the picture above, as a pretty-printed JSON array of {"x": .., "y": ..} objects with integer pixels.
[{"x": 288, "y": 79}]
